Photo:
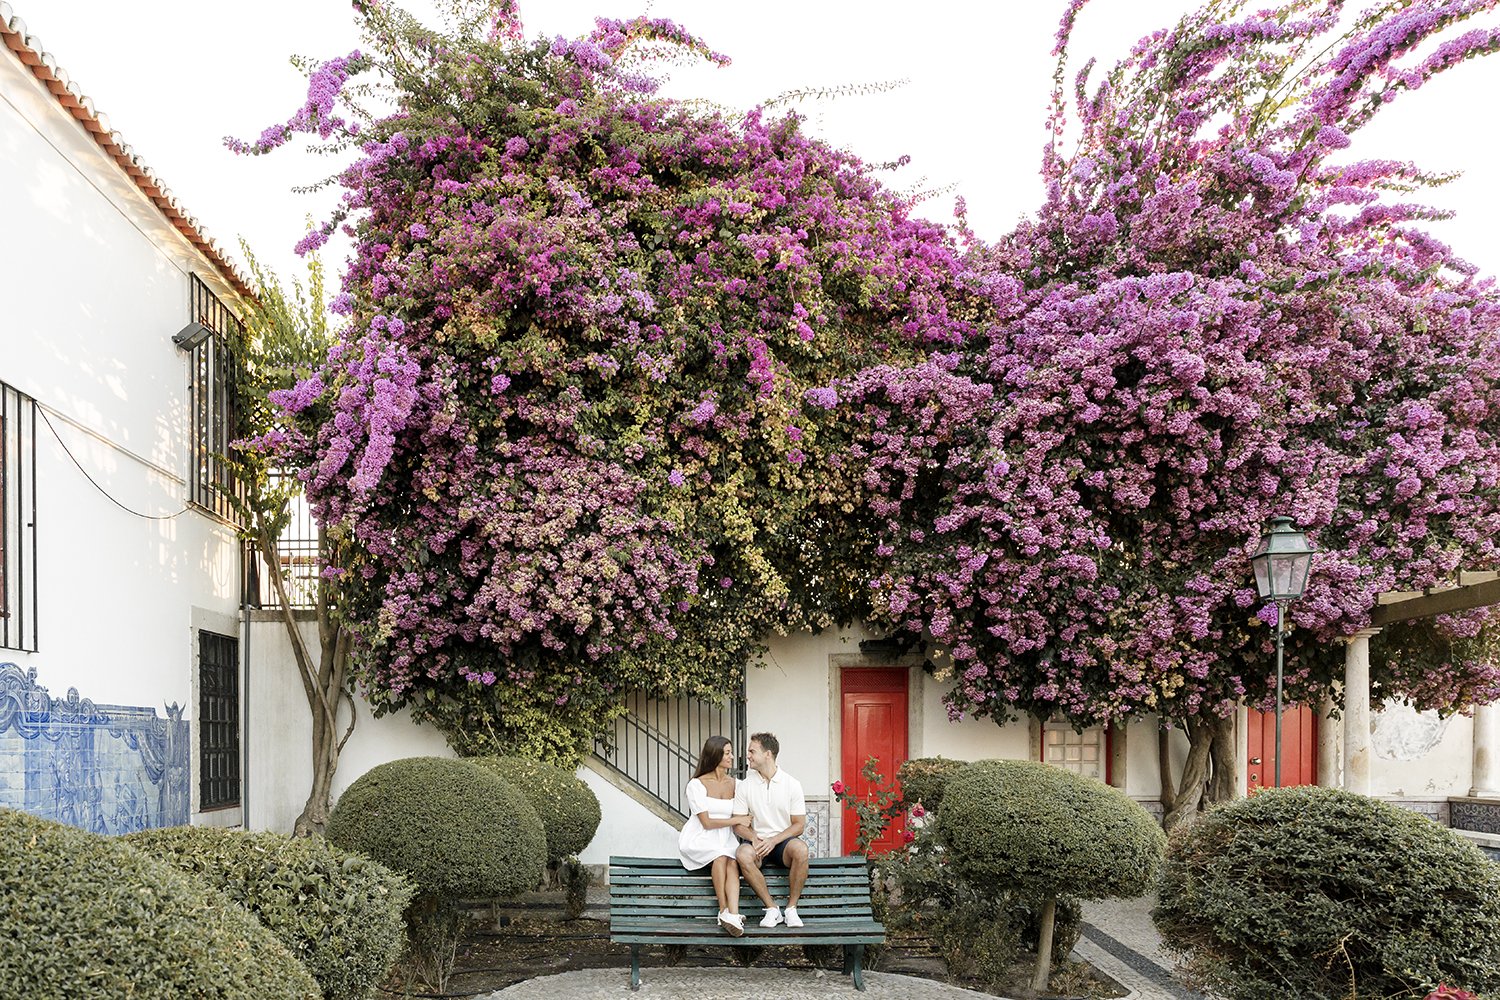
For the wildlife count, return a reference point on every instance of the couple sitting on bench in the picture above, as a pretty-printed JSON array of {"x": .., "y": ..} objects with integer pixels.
[{"x": 737, "y": 827}]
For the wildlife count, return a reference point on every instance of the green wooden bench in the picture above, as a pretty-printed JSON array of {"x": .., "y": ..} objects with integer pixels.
[{"x": 654, "y": 901}]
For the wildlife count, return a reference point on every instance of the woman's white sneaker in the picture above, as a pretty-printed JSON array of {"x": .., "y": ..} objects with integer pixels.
[{"x": 732, "y": 922}]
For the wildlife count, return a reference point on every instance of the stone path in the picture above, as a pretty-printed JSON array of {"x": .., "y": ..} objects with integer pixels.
[
  {"x": 729, "y": 984},
  {"x": 1120, "y": 941}
]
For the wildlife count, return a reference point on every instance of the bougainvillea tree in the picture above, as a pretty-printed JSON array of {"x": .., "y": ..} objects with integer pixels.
[
  {"x": 629, "y": 383},
  {"x": 568, "y": 428},
  {"x": 1218, "y": 314}
]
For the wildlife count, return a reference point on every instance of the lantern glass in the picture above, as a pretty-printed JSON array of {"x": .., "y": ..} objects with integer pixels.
[{"x": 1282, "y": 561}]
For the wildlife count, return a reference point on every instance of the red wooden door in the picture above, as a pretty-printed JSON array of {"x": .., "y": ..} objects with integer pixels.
[
  {"x": 874, "y": 725},
  {"x": 1299, "y": 747}
]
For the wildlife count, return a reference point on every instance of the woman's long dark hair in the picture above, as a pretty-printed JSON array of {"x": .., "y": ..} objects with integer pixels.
[{"x": 713, "y": 752}]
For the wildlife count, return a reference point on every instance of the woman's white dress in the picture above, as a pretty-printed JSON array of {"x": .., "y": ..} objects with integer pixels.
[{"x": 695, "y": 845}]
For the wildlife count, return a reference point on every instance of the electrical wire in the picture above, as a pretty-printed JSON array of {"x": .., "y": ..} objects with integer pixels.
[{"x": 66, "y": 451}]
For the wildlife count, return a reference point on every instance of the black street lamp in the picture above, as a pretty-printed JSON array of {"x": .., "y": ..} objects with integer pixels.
[{"x": 1281, "y": 562}]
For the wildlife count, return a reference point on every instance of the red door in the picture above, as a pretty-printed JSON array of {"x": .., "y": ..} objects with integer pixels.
[
  {"x": 1299, "y": 747},
  {"x": 874, "y": 725}
]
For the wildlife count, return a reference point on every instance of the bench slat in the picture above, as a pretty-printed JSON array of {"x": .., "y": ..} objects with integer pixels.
[
  {"x": 623, "y": 861},
  {"x": 747, "y": 903}
]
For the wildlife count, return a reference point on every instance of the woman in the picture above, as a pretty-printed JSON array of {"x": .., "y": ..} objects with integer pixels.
[{"x": 708, "y": 836}]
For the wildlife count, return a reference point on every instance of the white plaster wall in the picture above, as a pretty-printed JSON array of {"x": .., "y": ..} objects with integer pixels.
[
  {"x": 1447, "y": 769},
  {"x": 279, "y": 732},
  {"x": 625, "y": 826},
  {"x": 95, "y": 283}
]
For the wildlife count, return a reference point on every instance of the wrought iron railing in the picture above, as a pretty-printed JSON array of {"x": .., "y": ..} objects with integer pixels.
[
  {"x": 297, "y": 551},
  {"x": 656, "y": 743}
]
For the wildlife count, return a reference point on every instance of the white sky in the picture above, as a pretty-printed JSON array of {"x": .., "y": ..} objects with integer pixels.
[{"x": 175, "y": 76}]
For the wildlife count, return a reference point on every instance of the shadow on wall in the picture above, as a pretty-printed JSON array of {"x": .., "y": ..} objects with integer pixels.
[{"x": 105, "y": 768}]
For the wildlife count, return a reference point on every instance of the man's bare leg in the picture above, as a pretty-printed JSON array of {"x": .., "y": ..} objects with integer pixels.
[
  {"x": 796, "y": 857},
  {"x": 750, "y": 868}
]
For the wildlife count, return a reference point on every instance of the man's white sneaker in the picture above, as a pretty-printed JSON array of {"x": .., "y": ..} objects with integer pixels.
[
  {"x": 772, "y": 917},
  {"x": 792, "y": 920}
]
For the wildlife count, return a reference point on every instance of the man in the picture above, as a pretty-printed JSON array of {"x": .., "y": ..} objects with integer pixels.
[{"x": 778, "y": 814}]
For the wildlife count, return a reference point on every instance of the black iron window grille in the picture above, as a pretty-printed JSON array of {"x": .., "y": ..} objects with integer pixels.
[
  {"x": 214, "y": 403},
  {"x": 18, "y": 604},
  {"x": 218, "y": 721}
]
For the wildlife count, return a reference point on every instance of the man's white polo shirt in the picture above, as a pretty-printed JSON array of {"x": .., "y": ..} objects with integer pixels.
[{"x": 771, "y": 804}]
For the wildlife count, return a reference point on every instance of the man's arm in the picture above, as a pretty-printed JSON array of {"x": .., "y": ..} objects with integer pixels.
[{"x": 765, "y": 846}]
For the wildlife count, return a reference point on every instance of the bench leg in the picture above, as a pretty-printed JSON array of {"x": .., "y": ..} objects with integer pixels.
[
  {"x": 859, "y": 972},
  {"x": 848, "y": 959},
  {"x": 635, "y": 966}
]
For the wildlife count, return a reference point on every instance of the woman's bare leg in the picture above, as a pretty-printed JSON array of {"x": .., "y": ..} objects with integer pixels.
[
  {"x": 732, "y": 884},
  {"x": 721, "y": 876}
]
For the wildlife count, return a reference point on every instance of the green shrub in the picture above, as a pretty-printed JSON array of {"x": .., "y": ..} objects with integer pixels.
[
  {"x": 88, "y": 916},
  {"x": 1306, "y": 891},
  {"x": 1039, "y": 830},
  {"x": 568, "y": 808},
  {"x": 453, "y": 827},
  {"x": 924, "y": 778},
  {"x": 1041, "y": 833},
  {"x": 340, "y": 914}
]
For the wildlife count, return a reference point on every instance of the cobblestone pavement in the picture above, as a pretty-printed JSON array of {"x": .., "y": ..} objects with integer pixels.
[
  {"x": 729, "y": 984},
  {"x": 1120, "y": 941}
]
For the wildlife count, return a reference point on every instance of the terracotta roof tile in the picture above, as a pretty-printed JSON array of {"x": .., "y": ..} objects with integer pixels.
[{"x": 28, "y": 48}]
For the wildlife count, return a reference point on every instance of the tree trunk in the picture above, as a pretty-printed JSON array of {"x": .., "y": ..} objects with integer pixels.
[
  {"x": 1043, "y": 973},
  {"x": 1222, "y": 755},
  {"x": 1208, "y": 773},
  {"x": 1164, "y": 767},
  {"x": 325, "y": 686}
]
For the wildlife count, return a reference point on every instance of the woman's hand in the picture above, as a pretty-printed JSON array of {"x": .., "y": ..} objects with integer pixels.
[{"x": 739, "y": 820}]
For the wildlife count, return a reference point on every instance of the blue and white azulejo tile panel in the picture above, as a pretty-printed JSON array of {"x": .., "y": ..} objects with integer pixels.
[{"x": 105, "y": 768}]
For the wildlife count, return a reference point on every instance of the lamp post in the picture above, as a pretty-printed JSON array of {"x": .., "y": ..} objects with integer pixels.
[{"x": 1281, "y": 562}]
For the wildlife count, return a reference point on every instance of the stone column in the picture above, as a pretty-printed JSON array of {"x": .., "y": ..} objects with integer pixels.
[
  {"x": 1357, "y": 712},
  {"x": 1328, "y": 744},
  {"x": 1486, "y": 751}
]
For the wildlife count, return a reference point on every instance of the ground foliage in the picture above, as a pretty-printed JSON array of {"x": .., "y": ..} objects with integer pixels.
[
  {"x": 1321, "y": 893},
  {"x": 83, "y": 915},
  {"x": 339, "y": 914},
  {"x": 629, "y": 383}
]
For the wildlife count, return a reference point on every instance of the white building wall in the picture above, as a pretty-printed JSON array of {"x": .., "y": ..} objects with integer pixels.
[
  {"x": 279, "y": 730},
  {"x": 95, "y": 283}
]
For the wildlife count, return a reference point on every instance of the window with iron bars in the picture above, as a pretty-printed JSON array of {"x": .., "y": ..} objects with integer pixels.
[
  {"x": 18, "y": 603},
  {"x": 218, "y": 721},
  {"x": 214, "y": 403}
]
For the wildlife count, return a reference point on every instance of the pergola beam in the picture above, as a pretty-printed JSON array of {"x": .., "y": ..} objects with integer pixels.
[{"x": 1443, "y": 602}]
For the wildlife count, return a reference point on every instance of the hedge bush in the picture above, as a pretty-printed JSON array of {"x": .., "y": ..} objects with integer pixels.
[
  {"x": 569, "y": 809},
  {"x": 339, "y": 913},
  {"x": 88, "y": 916},
  {"x": 1039, "y": 830},
  {"x": 1303, "y": 891},
  {"x": 454, "y": 827},
  {"x": 924, "y": 778}
]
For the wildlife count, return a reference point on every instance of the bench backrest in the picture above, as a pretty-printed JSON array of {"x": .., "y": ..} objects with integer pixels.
[{"x": 661, "y": 887}]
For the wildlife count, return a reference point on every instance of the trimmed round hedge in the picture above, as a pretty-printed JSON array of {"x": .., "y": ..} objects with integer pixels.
[
  {"x": 1038, "y": 830},
  {"x": 924, "y": 778},
  {"x": 454, "y": 827},
  {"x": 1301, "y": 891},
  {"x": 339, "y": 913},
  {"x": 569, "y": 809},
  {"x": 88, "y": 916}
]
